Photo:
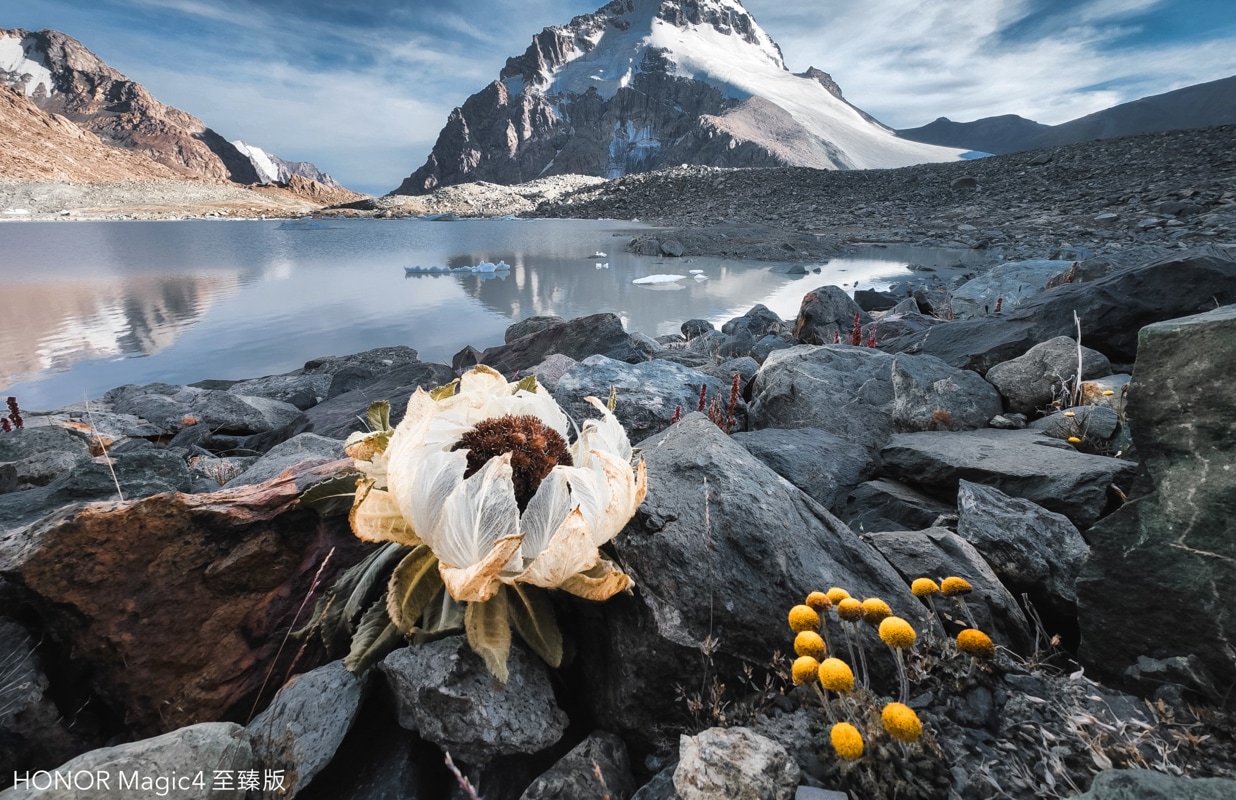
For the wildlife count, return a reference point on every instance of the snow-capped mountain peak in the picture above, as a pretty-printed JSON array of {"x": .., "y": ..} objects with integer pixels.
[
  {"x": 24, "y": 68},
  {"x": 640, "y": 84}
]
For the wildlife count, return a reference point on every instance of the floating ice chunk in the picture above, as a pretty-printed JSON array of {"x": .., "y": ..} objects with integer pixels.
[
  {"x": 599, "y": 254},
  {"x": 419, "y": 269},
  {"x": 701, "y": 278},
  {"x": 696, "y": 271},
  {"x": 654, "y": 279}
]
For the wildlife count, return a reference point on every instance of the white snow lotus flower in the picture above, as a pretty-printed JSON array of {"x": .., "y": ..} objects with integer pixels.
[{"x": 481, "y": 480}]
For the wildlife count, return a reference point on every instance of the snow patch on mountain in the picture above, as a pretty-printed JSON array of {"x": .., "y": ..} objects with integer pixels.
[
  {"x": 265, "y": 165},
  {"x": 24, "y": 68}
]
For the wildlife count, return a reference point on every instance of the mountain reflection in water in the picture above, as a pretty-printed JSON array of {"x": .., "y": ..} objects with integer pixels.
[{"x": 87, "y": 306}]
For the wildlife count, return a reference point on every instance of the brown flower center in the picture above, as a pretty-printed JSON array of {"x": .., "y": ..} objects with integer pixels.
[{"x": 534, "y": 447}]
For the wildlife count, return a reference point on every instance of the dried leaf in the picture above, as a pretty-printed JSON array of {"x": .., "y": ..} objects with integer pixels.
[
  {"x": 379, "y": 415},
  {"x": 376, "y": 517},
  {"x": 332, "y": 496},
  {"x": 443, "y": 392},
  {"x": 479, "y": 582},
  {"x": 532, "y": 614},
  {"x": 599, "y": 583},
  {"x": 489, "y": 633},
  {"x": 413, "y": 584},
  {"x": 375, "y": 637}
]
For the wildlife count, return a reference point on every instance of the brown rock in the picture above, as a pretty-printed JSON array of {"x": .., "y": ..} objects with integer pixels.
[{"x": 180, "y": 603}]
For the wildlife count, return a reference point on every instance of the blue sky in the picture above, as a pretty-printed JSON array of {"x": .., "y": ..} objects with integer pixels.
[{"x": 362, "y": 88}]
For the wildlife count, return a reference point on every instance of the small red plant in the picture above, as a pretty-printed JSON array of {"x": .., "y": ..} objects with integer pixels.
[
  {"x": 836, "y": 337},
  {"x": 14, "y": 416},
  {"x": 871, "y": 339},
  {"x": 677, "y": 414},
  {"x": 999, "y": 302},
  {"x": 856, "y": 333},
  {"x": 703, "y": 404}
]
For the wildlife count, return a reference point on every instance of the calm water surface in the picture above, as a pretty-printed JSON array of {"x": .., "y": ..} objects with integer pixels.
[{"x": 87, "y": 306}]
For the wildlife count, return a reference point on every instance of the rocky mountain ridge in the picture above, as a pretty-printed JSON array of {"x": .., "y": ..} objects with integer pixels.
[
  {"x": 642, "y": 84},
  {"x": 1202, "y": 105},
  {"x": 59, "y": 76}
]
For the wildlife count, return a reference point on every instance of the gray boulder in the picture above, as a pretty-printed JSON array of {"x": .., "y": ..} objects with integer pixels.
[
  {"x": 304, "y": 725},
  {"x": 1146, "y": 784},
  {"x": 339, "y": 416},
  {"x": 930, "y": 395},
  {"x": 529, "y": 326},
  {"x": 579, "y": 338},
  {"x": 759, "y": 321},
  {"x": 1112, "y": 310},
  {"x": 1092, "y": 424},
  {"x": 574, "y": 776},
  {"x": 734, "y": 763},
  {"x": 1031, "y": 549},
  {"x": 1031, "y": 382},
  {"x": 307, "y": 448},
  {"x": 551, "y": 370},
  {"x": 825, "y": 313},
  {"x": 376, "y": 361},
  {"x": 862, "y": 395},
  {"x": 40, "y": 455},
  {"x": 208, "y": 749},
  {"x": 171, "y": 408},
  {"x": 937, "y": 553},
  {"x": 887, "y": 505},
  {"x": 648, "y": 393},
  {"x": 729, "y": 581},
  {"x": 1175, "y": 543},
  {"x": 301, "y": 390},
  {"x": 1010, "y": 283},
  {"x": 1023, "y": 464},
  {"x": 444, "y": 692},
  {"x": 824, "y": 466},
  {"x": 695, "y": 327}
]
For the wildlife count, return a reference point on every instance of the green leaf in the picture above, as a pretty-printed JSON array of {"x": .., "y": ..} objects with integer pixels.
[
  {"x": 379, "y": 415},
  {"x": 331, "y": 497},
  {"x": 443, "y": 392},
  {"x": 372, "y": 577},
  {"x": 413, "y": 584},
  {"x": 532, "y": 614},
  {"x": 527, "y": 383},
  {"x": 336, "y": 611},
  {"x": 375, "y": 637},
  {"x": 489, "y": 633}
]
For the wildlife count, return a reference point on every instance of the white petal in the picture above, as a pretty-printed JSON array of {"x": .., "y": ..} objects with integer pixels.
[
  {"x": 625, "y": 495},
  {"x": 545, "y": 512},
  {"x": 605, "y": 434},
  {"x": 420, "y": 481},
  {"x": 570, "y": 552},
  {"x": 591, "y": 491},
  {"x": 479, "y": 512}
]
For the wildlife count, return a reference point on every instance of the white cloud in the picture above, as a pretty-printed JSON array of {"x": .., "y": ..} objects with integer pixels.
[{"x": 908, "y": 62}]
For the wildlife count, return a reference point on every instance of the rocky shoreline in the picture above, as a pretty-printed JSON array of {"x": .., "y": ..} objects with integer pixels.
[{"x": 935, "y": 430}]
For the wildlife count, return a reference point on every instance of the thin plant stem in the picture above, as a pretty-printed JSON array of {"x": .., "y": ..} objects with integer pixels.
[
  {"x": 862, "y": 656},
  {"x": 904, "y": 695},
  {"x": 823, "y": 695}
]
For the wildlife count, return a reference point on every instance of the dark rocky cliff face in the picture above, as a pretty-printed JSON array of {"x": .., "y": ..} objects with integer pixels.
[
  {"x": 121, "y": 112},
  {"x": 512, "y": 131}
]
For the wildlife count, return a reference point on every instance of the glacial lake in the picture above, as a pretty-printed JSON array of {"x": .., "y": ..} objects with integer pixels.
[{"x": 88, "y": 306}]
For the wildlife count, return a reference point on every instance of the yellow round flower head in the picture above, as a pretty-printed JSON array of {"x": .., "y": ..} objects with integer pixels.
[
  {"x": 805, "y": 670},
  {"x": 924, "y": 587},
  {"x": 836, "y": 675},
  {"x": 804, "y": 618},
  {"x": 819, "y": 601},
  {"x": 875, "y": 611},
  {"x": 837, "y": 594},
  {"x": 1108, "y": 393},
  {"x": 955, "y": 586},
  {"x": 1070, "y": 413},
  {"x": 850, "y": 610},
  {"x": 1074, "y": 440},
  {"x": 847, "y": 741},
  {"x": 901, "y": 722},
  {"x": 976, "y": 643},
  {"x": 810, "y": 643},
  {"x": 896, "y": 632}
]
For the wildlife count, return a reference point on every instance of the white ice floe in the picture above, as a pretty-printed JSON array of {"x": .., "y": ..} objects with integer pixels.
[
  {"x": 483, "y": 267},
  {"x": 701, "y": 277},
  {"x": 599, "y": 254},
  {"x": 696, "y": 271},
  {"x": 655, "y": 279}
]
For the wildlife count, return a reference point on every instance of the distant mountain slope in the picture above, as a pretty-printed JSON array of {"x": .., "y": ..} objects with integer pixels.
[
  {"x": 641, "y": 84},
  {"x": 1201, "y": 106},
  {"x": 1004, "y": 134},
  {"x": 56, "y": 73},
  {"x": 35, "y": 145}
]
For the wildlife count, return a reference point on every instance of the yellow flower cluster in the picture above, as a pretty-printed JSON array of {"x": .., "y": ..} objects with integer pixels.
[
  {"x": 924, "y": 587},
  {"x": 804, "y": 618},
  {"x": 810, "y": 643},
  {"x": 819, "y": 601},
  {"x": 896, "y": 632},
  {"x": 976, "y": 643},
  {"x": 837, "y": 594},
  {"x": 901, "y": 722},
  {"x": 847, "y": 741},
  {"x": 804, "y": 670},
  {"x": 850, "y": 610},
  {"x": 836, "y": 675},
  {"x": 953, "y": 586},
  {"x": 875, "y": 611}
]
